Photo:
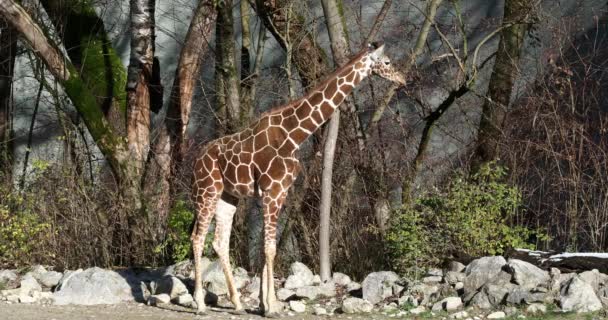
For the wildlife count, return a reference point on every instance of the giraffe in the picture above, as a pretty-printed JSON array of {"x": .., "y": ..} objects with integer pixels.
[{"x": 261, "y": 161}]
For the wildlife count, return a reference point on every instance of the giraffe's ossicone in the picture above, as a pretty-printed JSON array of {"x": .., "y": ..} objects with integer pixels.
[{"x": 260, "y": 160}]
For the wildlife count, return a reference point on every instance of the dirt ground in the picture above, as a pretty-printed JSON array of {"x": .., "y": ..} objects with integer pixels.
[{"x": 135, "y": 311}]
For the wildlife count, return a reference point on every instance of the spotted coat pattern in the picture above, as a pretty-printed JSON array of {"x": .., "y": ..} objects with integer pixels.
[{"x": 261, "y": 161}]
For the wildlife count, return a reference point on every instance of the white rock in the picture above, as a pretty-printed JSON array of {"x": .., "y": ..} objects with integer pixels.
[
  {"x": 254, "y": 287},
  {"x": 407, "y": 300},
  {"x": 297, "y": 306},
  {"x": 300, "y": 276},
  {"x": 327, "y": 289},
  {"x": 378, "y": 286},
  {"x": 459, "y": 315},
  {"x": 316, "y": 279},
  {"x": 36, "y": 271},
  {"x": 172, "y": 286},
  {"x": 93, "y": 286},
  {"x": 578, "y": 295},
  {"x": 307, "y": 292},
  {"x": 29, "y": 285},
  {"x": 12, "y": 298},
  {"x": 284, "y": 294},
  {"x": 448, "y": 304},
  {"x": 27, "y": 299},
  {"x": 528, "y": 275},
  {"x": 319, "y": 311},
  {"x": 7, "y": 275},
  {"x": 356, "y": 305},
  {"x": 456, "y": 266},
  {"x": 185, "y": 300},
  {"x": 50, "y": 279},
  {"x": 418, "y": 310},
  {"x": 480, "y": 271},
  {"x": 353, "y": 286},
  {"x": 214, "y": 277},
  {"x": 432, "y": 279},
  {"x": 536, "y": 308},
  {"x": 496, "y": 315},
  {"x": 158, "y": 299},
  {"x": 341, "y": 279}
]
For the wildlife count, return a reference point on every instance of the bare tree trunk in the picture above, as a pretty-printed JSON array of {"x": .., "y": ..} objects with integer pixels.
[
  {"x": 138, "y": 81},
  {"x": 227, "y": 71},
  {"x": 501, "y": 82},
  {"x": 340, "y": 50},
  {"x": 8, "y": 51}
]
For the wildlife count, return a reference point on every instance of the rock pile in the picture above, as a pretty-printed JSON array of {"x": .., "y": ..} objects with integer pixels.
[{"x": 491, "y": 286}]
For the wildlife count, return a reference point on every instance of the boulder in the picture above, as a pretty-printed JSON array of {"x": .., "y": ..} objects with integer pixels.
[
  {"x": 432, "y": 279},
  {"x": 93, "y": 286},
  {"x": 297, "y": 306},
  {"x": 285, "y": 294},
  {"x": 7, "y": 276},
  {"x": 171, "y": 285},
  {"x": 214, "y": 277},
  {"x": 418, "y": 310},
  {"x": 456, "y": 266},
  {"x": 378, "y": 286},
  {"x": 50, "y": 279},
  {"x": 307, "y": 292},
  {"x": 184, "y": 300},
  {"x": 536, "y": 308},
  {"x": 254, "y": 287},
  {"x": 159, "y": 299},
  {"x": 341, "y": 279},
  {"x": 327, "y": 289},
  {"x": 480, "y": 300},
  {"x": 480, "y": 271},
  {"x": 459, "y": 315},
  {"x": 453, "y": 277},
  {"x": 319, "y": 311},
  {"x": 37, "y": 271},
  {"x": 578, "y": 295},
  {"x": 425, "y": 292},
  {"x": 356, "y": 305},
  {"x": 528, "y": 275},
  {"x": 592, "y": 278},
  {"x": 407, "y": 300},
  {"x": 29, "y": 285},
  {"x": 448, "y": 304},
  {"x": 353, "y": 286},
  {"x": 497, "y": 315},
  {"x": 300, "y": 276}
]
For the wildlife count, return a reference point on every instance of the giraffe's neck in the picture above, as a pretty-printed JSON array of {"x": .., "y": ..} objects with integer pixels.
[{"x": 318, "y": 106}]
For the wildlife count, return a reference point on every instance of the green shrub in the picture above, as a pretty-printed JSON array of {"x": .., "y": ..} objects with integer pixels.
[
  {"x": 470, "y": 218},
  {"x": 21, "y": 230},
  {"x": 179, "y": 231}
]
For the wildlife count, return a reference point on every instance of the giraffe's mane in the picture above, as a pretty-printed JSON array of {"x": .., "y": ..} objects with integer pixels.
[{"x": 318, "y": 87}]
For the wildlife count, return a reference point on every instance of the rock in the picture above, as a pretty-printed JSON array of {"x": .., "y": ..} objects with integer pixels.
[
  {"x": 307, "y": 292},
  {"x": 536, "y": 308},
  {"x": 592, "y": 278},
  {"x": 38, "y": 295},
  {"x": 434, "y": 272},
  {"x": 159, "y": 299},
  {"x": 316, "y": 280},
  {"x": 456, "y": 266},
  {"x": 214, "y": 277},
  {"x": 578, "y": 295},
  {"x": 7, "y": 276},
  {"x": 184, "y": 300},
  {"x": 480, "y": 271},
  {"x": 448, "y": 304},
  {"x": 407, "y": 300},
  {"x": 425, "y": 292},
  {"x": 459, "y": 286},
  {"x": 284, "y": 294},
  {"x": 29, "y": 285},
  {"x": 12, "y": 298},
  {"x": 356, "y": 305},
  {"x": 50, "y": 279},
  {"x": 432, "y": 279},
  {"x": 418, "y": 310},
  {"x": 185, "y": 269},
  {"x": 172, "y": 286},
  {"x": 377, "y": 286},
  {"x": 327, "y": 289},
  {"x": 481, "y": 301},
  {"x": 496, "y": 315},
  {"x": 318, "y": 311},
  {"x": 496, "y": 288},
  {"x": 254, "y": 287},
  {"x": 397, "y": 289},
  {"x": 353, "y": 286},
  {"x": 528, "y": 275},
  {"x": 300, "y": 276},
  {"x": 297, "y": 306},
  {"x": 93, "y": 286},
  {"x": 453, "y": 277},
  {"x": 27, "y": 299},
  {"x": 459, "y": 315},
  {"x": 341, "y": 279},
  {"x": 37, "y": 271}
]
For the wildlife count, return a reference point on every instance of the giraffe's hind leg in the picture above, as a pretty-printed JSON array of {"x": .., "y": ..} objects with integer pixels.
[{"x": 221, "y": 244}]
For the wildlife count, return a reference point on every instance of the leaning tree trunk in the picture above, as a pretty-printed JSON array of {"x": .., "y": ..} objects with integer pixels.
[
  {"x": 8, "y": 49},
  {"x": 501, "y": 82},
  {"x": 340, "y": 50}
]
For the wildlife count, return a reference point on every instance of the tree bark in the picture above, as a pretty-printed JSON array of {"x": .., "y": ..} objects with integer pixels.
[
  {"x": 226, "y": 65},
  {"x": 339, "y": 47},
  {"x": 501, "y": 82},
  {"x": 110, "y": 144},
  {"x": 307, "y": 56},
  {"x": 8, "y": 51}
]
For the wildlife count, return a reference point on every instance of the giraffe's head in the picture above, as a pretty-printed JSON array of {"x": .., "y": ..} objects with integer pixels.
[{"x": 381, "y": 64}]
